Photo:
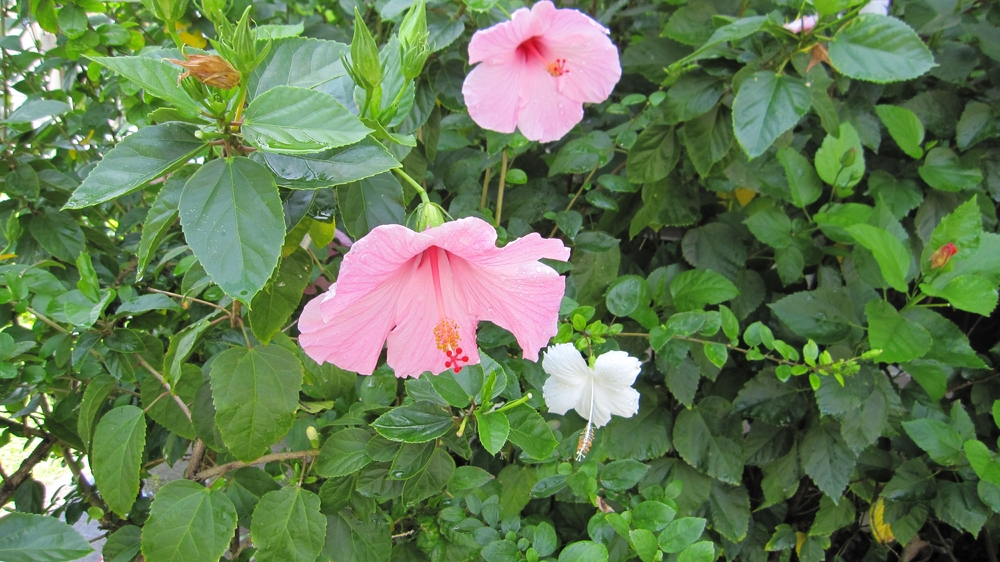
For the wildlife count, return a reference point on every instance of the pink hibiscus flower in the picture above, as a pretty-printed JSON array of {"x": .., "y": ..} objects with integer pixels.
[
  {"x": 802, "y": 25},
  {"x": 424, "y": 293},
  {"x": 537, "y": 70}
]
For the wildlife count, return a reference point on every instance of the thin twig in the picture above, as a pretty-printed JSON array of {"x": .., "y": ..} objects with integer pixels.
[
  {"x": 44, "y": 319},
  {"x": 486, "y": 187},
  {"x": 503, "y": 181},
  {"x": 192, "y": 299},
  {"x": 166, "y": 385},
  {"x": 194, "y": 463},
  {"x": 224, "y": 468},
  {"x": 970, "y": 383},
  {"x": 10, "y": 485},
  {"x": 943, "y": 542}
]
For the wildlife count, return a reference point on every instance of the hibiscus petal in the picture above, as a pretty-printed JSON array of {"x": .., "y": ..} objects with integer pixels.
[
  {"x": 544, "y": 114},
  {"x": 489, "y": 94},
  {"x": 569, "y": 378},
  {"x": 371, "y": 262},
  {"x": 591, "y": 59},
  {"x": 412, "y": 349},
  {"x": 353, "y": 338},
  {"x": 498, "y": 44},
  {"x": 616, "y": 372}
]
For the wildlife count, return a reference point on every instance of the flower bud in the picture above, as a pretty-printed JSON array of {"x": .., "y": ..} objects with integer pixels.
[
  {"x": 943, "y": 254},
  {"x": 212, "y": 70},
  {"x": 365, "y": 66},
  {"x": 413, "y": 38},
  {"x": 167, "y": 10},
  {"x": 429, "y": 215}
]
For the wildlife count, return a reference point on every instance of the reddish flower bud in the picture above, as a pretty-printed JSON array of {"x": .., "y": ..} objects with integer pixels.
[
  {"x": 209, "y": 69},
  {"x": 943, "y": 254}
]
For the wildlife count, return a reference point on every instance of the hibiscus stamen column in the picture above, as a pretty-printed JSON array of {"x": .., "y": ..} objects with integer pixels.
[{"x": 446, "y": 335}]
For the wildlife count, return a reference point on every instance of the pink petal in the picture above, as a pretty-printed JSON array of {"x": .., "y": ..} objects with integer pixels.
[
  {"x": 507, "y": 286},
  {"x": 353, "y": 338},
  {"x": 370, "y": 262},
  {"x": 803, "y": 24},
  {"x": 490, "y": 106},
  {"x": 412, "y": 349},
  {"x": 592, "y": 63},
  {"x": 498, "y": 44},
  {"x": 545, "y": 114}
]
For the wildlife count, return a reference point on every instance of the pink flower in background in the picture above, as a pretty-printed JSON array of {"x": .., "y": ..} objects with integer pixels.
[
  {"x": 537, "y": 70},
  {"x": 424, "y": 293},
  {"x": 802, "y": 25}
]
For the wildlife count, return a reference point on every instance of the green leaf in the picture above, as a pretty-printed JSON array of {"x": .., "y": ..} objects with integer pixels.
[
  {"x": 117, "y": 453},
  {"x": 653, "y": 156},
  {"x": 493, "y": 430},
  {"x": 941, "y": 442},
  {"x": 904, "y": 127},
  {"x": 692, "y": 95},
  {"x": 729, "y": 509},
  {"x": 803, "y": 182},
  {"x": 626, "y": 294},
  {"x": 234, "y": 223},
  {"x": 431, "y": 480},
  {"x": 161, "y": 216},
  {"x": 942, "y": 170},
  {"x": 621, "y": 475},
  {"x": 892, "y": 256},
  {"x": 343, "y": 453},
  {"x": 708, "y": 138},
  {"x": 681, "y": 533},
  {"x": 772, "y": 227},
  {"x": 329, "y": 168},
  {"x": 963, "y": 227},
  {"x": 158, "y": 77},
  {"x": 529, "y": 431},
  {"x": 98, "y": 389},
  {"x": 709, "y": 438},
  {"x": 734, "y": 31},
  {"x": 950, "y": 345},
  {"x": 840, "y": 161},
  {"x": 982, "y": 461},
  {"x": 976, "y": 124},
  {"x": 59, "y": 234},
  {"x": 299, "y": 62},
  {"x": 703, "y": 551},
  {"x": 161, "y": 406},
  {"x": 288, "y": 120},
  {"x": 584, "y": 551},
  {"x": 414, "y": 423},
  {"x": 371, "y": 202},
  {"x": 970, "y": 293},
  {"x": 181, "y": 346},
  {"x": 188, "y": 523},
  {"x": 256, "y": 392},
  {"x": 32, "y": 110},
  {"x": 125, "y": 543},
  {"x": 959, "y": 506},
  {"x": 824, "y": 315},
  {"x": 468, "y": 478},
  {"x": 827, "y": 459},
  {"x": 287, "y": 526},
  {"x": 644, "y": 543},
  {"x": 832, "y": 516},
  {"x": 879, "y": 48},
  {"x": 138, "y": 159},
  {"x": 410, "y": 459},
  {"x": 693, "y": 289},
  {"x": 766, "y": 106},
  {"x": 274, "y": 305},
  {"x": 652, "y": 515},
  {"x": 37, "y": 538},
  {"x": 357, "y": 538}
]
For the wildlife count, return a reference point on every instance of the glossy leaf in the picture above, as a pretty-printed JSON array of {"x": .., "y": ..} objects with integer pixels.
[
  {"x": 288, "y": 120},
  {"x": 117, "y": 452},
  {"x": 766, "y": 106},
  {"x": 188, "y": 523},
  {"x": 879, "y": 49}
]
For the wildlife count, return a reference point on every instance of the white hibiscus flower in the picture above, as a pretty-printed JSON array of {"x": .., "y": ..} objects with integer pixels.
[{"x": 595, "y": 393}]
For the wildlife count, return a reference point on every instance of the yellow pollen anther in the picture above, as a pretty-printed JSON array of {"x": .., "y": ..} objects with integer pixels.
[
  {"x": 557, "y": 68},
  {"x": 447, "y": 339}
]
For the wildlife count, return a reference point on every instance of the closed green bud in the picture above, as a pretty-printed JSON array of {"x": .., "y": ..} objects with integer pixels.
[
  {"x": 167, "y": 10},
  {"x": 429, "y": 215},
  {"x": 366, "y": 69},
  {"x": 214, "y": 9},
  {"x": 413, "y": 38}
]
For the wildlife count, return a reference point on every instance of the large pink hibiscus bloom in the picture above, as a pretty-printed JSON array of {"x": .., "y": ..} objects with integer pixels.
[
  {"x": 424, "y": 293},
  {"x": 537, "y": 70}
]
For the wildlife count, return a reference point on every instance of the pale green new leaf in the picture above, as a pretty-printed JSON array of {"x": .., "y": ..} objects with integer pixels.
[
  {"x": 892, "y": 256},
  {"x": 904, "y": 127}
]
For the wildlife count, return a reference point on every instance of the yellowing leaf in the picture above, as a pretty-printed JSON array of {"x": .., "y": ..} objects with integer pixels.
[
  {"x": 744, "y": 195},
  {"x": 800, "y": 539},
  {"x": 880, "y": 529}
]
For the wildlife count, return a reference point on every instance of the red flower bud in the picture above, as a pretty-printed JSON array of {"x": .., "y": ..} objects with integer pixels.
[{"x": 942, "y": 255}]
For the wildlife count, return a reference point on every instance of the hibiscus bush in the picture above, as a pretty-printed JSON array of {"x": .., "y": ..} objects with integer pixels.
[{"x": 458, "y": 280}]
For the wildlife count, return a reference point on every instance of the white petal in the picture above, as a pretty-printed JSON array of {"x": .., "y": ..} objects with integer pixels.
[
  {"x": 876, "y": 7},
  {"x": 569, "y": 377},
  {"x": 617, "y": 368},
  {"x": 564, "y": 362},
  {"x": 616, "y": 372}
]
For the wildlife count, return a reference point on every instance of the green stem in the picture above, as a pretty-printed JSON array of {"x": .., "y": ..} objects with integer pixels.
[
  {"x": 420, "y": 189},
  {"x": 503, "y": 181},
  {"x": 516, "y": 403},
  {"x": 172, "y": 31}
]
